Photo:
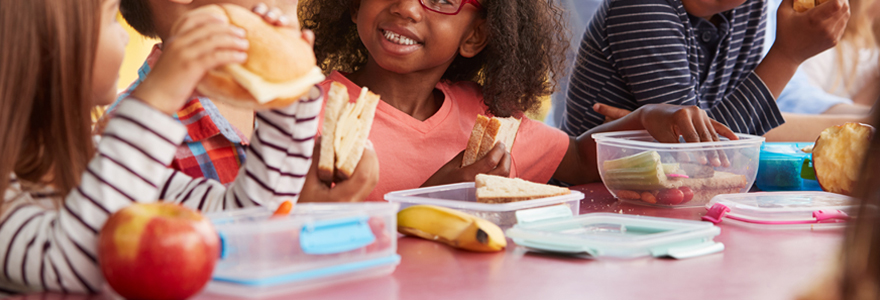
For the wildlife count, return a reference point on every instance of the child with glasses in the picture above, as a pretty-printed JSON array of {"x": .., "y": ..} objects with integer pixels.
[{"x": 437, "y": 65}]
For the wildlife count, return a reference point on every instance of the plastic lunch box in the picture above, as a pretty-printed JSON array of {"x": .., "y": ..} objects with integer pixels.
[
  {"x": 597, "y": 235},
  {"x": 782, "y": 210},
  {"x": 638, "y": 169},
  {"x": 781, "y": 167},
  {"x": 317, "y": 245},
  {"x": 462, "y": 197}
]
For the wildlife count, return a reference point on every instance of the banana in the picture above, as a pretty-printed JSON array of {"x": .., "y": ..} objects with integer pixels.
[{"x": 451, "y": 227}]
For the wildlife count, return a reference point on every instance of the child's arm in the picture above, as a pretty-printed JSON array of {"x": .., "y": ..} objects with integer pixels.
[
  {"x": 651, "y": 55},
  {"x": 800, "y": 36},
  {"x": 496, "y": 162},
  {"x": 664, "y": 122},
  {"x": 47, "y": 249}
]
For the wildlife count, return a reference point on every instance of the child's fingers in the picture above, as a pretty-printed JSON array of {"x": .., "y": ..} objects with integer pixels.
[
  {"x": 610, "y": 112},
  {"x": 205, "y": 35},
  {"x": 309, "y": 36},
  {"x": 503, "y": 168},
  {"x": 491, "y": 160},
  {"x": 260, "y": 9},
  {"x": 723, "y": 130},
  {"x": 195, "y": 21},
  {"x": 687, "y": 130},
  {"x": 362, "y": 182},
  {"x": 222, "y": 57}
]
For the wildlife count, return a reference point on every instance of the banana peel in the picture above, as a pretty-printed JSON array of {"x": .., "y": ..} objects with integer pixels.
[{"x": 451, "y": 227}]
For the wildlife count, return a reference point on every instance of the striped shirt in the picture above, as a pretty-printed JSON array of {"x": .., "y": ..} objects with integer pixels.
[
  {"x": 43, "y": 248},
  {"x": 638, "y": 52}
]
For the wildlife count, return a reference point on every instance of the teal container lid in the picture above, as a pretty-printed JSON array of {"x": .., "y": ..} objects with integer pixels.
[
  {"x": 776, "y": 151},
  {"x": 594, "y": 235}
]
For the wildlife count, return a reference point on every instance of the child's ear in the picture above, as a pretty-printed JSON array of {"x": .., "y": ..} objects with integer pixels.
[
  {"x": 353, "y": 9},
  {"x": 476, "y": 40}
]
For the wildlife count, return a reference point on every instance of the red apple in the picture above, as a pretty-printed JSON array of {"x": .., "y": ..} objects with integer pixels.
[
  {"x": 157, "y": 251},
  {"x": 838, "y": 156}
]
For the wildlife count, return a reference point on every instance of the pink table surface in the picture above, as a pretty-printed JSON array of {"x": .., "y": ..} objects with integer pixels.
[{"x": 754, "y": 265}]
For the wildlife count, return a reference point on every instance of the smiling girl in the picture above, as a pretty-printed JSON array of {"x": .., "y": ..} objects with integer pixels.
[
  {"x": 61, "y": 186},
  {"x": 437, "y": 64}
]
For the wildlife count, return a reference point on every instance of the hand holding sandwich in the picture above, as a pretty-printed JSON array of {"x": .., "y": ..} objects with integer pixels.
[
  {"x": 203, "y": 41},
  {"x": 354, "y": 189},
  {"x": 496, "y": 162},
  {"x": 801, "y": 35}
]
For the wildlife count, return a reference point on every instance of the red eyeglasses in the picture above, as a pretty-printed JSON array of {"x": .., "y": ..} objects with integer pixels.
[{"x": 448, "y": 7}]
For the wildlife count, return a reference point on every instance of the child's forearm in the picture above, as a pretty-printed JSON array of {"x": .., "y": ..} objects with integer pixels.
[
  {"x": 579, "y": 166},
  {"x": 56, "y": 250},
  {"x": 806, "y": 128},
  {"x": 775, "y": 70}
]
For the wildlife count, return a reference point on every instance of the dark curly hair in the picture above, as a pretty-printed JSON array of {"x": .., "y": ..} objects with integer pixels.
[{"x": 520, "y": 64}]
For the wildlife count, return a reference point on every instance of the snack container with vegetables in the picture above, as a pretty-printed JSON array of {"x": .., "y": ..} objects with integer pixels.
[
  {"x": 636, "y": 168},
  {"x": 316, "y": 245}
]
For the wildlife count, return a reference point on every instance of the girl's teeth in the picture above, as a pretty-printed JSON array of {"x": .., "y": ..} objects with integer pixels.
[{"x": 398, "y": 39}]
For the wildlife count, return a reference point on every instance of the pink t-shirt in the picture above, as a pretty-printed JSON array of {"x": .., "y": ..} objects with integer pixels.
[{"x": 410, "y": 151}]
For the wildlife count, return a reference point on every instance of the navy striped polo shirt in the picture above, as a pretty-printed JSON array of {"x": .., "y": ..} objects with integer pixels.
[{"x": 638, "y": 52}]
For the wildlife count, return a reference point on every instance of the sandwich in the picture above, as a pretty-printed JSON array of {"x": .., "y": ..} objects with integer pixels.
[
  {"x": 643, "y": 176},
  {"x": 344, "y": 132},
  {"x": 804, "y": 5},
  {"x": 280, "y": 67},
  {"x": 498, "y": 189},
  {"x": 486, "y": 133}
]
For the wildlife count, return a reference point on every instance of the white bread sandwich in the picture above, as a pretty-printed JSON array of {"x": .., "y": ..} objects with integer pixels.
[
  {"x": 805, "y": 5},
  {"x": 345, "y": 130},
  {"x": 486, "y": 133},
  {"x": 280, "y": 67},
  {"x": 721, "y": 183},
  {"x": 498, "y": 189}
]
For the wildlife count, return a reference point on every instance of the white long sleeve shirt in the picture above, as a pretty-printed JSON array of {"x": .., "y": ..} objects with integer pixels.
[{"x": 43, "y": 248}]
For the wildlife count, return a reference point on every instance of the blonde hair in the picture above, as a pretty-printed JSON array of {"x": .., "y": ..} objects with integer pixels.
[
  {"x": 45, "y": 90},
  {"x": 859, "y": 34}
]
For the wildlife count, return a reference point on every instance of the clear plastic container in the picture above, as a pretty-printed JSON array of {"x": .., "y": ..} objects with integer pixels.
[
  {"x": 781, "y": 165},
  {"x": 463, "y": 197},
  {"x": 638, "y": 169},
  {"x": 316, "y": 245},
  {"x": 782, "y": 210},
  {"x": 615, "y": 235}
]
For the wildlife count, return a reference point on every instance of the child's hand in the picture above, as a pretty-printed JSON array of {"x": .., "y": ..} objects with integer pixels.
[
  {"x": 800, "y": 36},
  {"x": 273, "y": 16},
  {"x": 355, "y": 189},
  {"x": 611, "y": 113},
  {"x": 667, "y": 122},
  {"x": 203, "y": 41},
  {"x": 496, "y": 162},
  {"x": 276, "y": 17}
]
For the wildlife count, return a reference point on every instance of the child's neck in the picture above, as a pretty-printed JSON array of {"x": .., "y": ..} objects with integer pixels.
[{"x": 412, "y": 93}]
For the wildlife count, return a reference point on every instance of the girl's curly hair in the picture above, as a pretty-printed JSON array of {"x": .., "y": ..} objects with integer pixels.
[{"x": 520, "y": 64}]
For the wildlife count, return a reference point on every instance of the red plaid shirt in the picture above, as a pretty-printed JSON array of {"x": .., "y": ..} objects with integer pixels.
[{"x": 212, "y": 148}]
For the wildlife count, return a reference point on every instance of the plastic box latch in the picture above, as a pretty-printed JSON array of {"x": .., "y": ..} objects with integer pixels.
[
  {"x": 830, "y": 216},
  {"x": 716, "y": 213},
  {"x": 336, "y": 236}
]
